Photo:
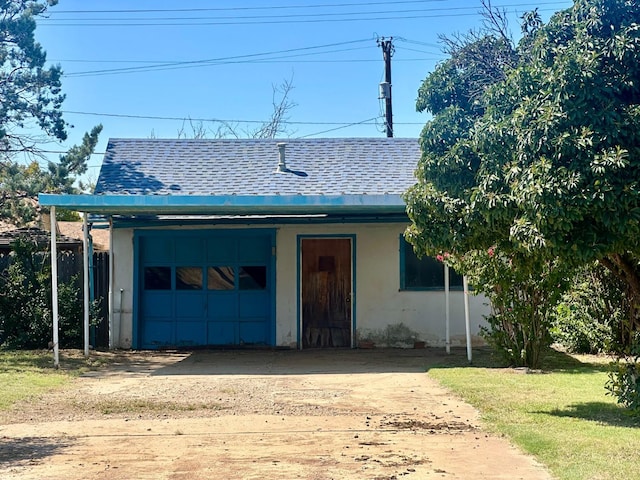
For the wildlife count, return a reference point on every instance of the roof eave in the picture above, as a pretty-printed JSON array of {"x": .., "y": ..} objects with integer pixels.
[{"x": 225, "y": 204}]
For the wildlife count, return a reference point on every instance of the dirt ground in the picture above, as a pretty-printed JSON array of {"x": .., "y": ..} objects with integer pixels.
[{"x": 338, "y": 414}]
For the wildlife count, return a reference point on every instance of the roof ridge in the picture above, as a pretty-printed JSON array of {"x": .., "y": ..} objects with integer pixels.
[{"x": 264, "y": 140}]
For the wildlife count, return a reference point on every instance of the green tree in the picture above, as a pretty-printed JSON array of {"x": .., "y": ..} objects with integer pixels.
[
  {"x": 20, "y": 183},
  {"x": 541, "y": 158},
  {"x": 441, "y": 205},
  {"x": 560, "y": 143},
  {"x": 30, "y": 114}
]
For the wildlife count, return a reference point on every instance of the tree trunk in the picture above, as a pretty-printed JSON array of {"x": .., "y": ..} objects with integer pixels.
[{"x": 627, "y": 268}]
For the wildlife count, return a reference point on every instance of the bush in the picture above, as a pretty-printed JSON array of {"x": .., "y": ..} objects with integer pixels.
[
  {"x": 589, "y": 316},
  {"x": 523, "y": 292},
  {"x": 624, "y": 380},
  {"x": 26, "y": 319}
]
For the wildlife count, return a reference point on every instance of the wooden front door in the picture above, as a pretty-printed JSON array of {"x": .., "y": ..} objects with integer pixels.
[{"x": 326, "y": 292}]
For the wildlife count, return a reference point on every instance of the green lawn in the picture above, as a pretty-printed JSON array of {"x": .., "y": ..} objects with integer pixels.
[
  {"x": 562, "y": 416},
  {"x": 25, "y": 374}
]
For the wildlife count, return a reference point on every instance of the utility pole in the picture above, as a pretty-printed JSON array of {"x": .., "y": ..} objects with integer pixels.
[{"x": 385, "y": 87}]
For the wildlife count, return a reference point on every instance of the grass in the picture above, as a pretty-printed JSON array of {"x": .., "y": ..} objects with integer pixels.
[
  {"x": 145, "y": 406},
  {"x": 562, "y": 416},
  {"x": 25, "y": 374}
]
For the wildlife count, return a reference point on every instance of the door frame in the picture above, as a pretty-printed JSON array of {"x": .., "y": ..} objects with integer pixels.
[{"x": 300, "y": 238}]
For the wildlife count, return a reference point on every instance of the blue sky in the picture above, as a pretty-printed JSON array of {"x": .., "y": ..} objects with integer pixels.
[{"x": 238, "y": 50}]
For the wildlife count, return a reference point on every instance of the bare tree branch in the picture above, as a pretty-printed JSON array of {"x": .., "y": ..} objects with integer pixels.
[
  {"x": 275, "y": 126},
  {"x": 495, "y": 21},
  {"x": 282, "y": 105}
]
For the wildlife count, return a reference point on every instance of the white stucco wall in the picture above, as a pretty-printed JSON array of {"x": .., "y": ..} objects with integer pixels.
[
  {"x": 122, "y": 301},
  {"x": 377, "y": 298}
]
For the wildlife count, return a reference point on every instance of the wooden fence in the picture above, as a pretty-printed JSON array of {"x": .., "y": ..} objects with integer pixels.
[{"x": 100, "y": 267}]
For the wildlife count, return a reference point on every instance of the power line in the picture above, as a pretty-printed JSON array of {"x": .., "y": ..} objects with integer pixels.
[
  {"x": 275, "y": 60},
  {"x": 181, "y": 65},
  {"x": 159, "y": 117},
  {"x": 416, "y": 42},
  {"x": 241, "y": 59},
  {"x": 363, "y": 122},
  {"x": 416, "y": 50},
  {"x": 157, "y": 22},
  {"x": 248, "y": 17},
  {"x": 213, "y": 120},
  {"x": 368, "y": 121},
  {"x": 186, "y": 63},
  {"x": 290, "y": 7},
  {"x": 270, "y": 7}
]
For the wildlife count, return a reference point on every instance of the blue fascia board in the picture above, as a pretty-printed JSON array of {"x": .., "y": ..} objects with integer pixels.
[
  {"x": 133, "y": 222},
  {"x": 223, "y": 204}
]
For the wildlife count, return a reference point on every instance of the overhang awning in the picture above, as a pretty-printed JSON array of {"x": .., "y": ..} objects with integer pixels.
[{"x": 226, "y": 204}]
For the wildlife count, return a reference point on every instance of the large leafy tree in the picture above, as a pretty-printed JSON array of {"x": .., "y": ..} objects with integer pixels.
[
  {"x": 30, "y": 116},
  {"x": 535, "y": 148}
]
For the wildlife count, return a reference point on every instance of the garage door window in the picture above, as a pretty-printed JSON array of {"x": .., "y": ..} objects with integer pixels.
[
  {"x": 253, "y": 278},
  {"x": 188, "y": 278},
  {"x": 221, "y": 278},
  {"x": 157, "y": 278}
]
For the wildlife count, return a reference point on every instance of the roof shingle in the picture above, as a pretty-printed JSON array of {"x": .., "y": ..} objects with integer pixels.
[{"x": 330, "y": 166}]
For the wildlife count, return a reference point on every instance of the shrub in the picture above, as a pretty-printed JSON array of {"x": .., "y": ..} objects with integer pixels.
[
  {"x": 26, "y": 319},
  {"x": 523, "y": 292},
  {"x": 588, "y": 318},
  {"x": 624, "y": 379}
]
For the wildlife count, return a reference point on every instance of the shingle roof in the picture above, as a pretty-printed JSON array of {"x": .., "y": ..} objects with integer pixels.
[
  {"x": 332, "y": 166},
  {"x": 38, "y": 235}
]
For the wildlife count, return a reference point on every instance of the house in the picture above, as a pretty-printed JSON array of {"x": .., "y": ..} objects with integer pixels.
[
  {"x": 293, "y": 243},
  {"x": 100, "y": 238},
  {"x": 38, "y": 236}
]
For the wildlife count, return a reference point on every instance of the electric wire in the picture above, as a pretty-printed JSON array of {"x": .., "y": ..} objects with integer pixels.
[
  {"x": 416, "y": 42},
  {"x": 291, "y": 18},
  {"x": 247, "y": 17},
  {"x": 363, "y": 122},
  {"x": 182, "y": 66},
  {"x": 158, "y": 65},
  {"x": 175, "y": 118},
  {"x": 439, "y": 9},
  {"x": 275, "y": 60},
  {"x": 414, "y": 50},
  {"x": 274, "y": 22},
  {"x": 186, "y": 63},
  {"x": 270, "y": 7}
]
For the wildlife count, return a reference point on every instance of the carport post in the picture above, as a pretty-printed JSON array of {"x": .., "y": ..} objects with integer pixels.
[
  {"x": 85, "y": 276},
  {"x": 465, "y": 283},
  {"x": 111, "y": 336},
  {"x": 54, "y": 287},
  {"x": 447, "y": 335}
]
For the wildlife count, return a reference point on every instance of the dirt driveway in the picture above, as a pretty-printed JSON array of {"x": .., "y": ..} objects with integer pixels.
[{"x": 256, "y": 415}]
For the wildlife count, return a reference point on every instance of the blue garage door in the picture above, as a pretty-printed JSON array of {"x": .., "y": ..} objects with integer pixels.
[{"x": 205, "y": 288}]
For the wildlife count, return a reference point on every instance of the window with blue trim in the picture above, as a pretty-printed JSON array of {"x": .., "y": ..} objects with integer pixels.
[{"x": 424, "y": 273}]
